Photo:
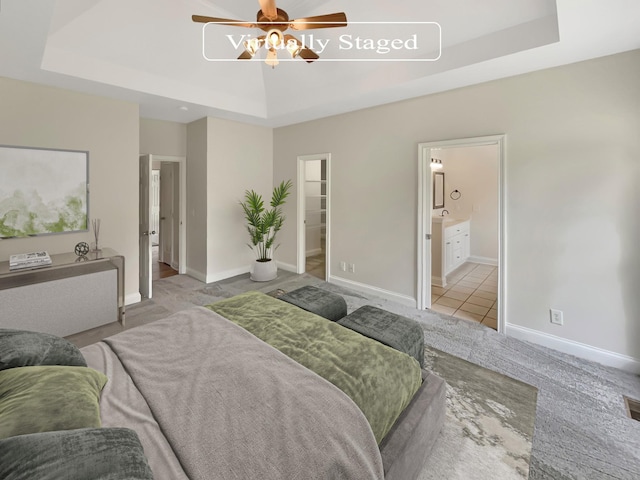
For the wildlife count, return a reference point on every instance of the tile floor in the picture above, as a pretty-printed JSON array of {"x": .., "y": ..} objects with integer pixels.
[{"x": 471, "y": 294}]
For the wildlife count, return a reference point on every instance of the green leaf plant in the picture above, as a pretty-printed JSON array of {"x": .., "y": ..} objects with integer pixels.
[{"x": 263, "y": 224}]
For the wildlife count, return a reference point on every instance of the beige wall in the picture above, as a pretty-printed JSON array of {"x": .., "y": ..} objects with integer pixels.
[
  {"x": 159, "y": 137},
  {"x": 38, "y": 116},
  {"x": 572, "y": 198},
  {"x": 197, "y": 198},
  {"x": 224, "y": 158},
  {"x": 473, "y": 171}
]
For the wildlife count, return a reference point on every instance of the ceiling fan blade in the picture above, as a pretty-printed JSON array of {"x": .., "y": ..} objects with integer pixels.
[
  {"x": 269, "y": 9},
  {"x": 222, "y": 21},
  {"x": 245, "y": 56},
  {"x": 331, "y": 20},
  {"x": 308, "y": 55}
]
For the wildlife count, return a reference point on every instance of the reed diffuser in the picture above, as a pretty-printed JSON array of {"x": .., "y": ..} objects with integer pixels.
[{"x": 96, "y": 233}]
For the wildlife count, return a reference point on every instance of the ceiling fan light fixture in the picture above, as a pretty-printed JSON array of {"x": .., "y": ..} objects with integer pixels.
[
  {"x": 293, "y": 48},
  {"x": 252, "y": 45},
  {"x": 272, "y": 58},
  {"x": 274, "y": 38}
]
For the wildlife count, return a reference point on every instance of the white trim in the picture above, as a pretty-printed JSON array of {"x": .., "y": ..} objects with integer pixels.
[
  {"x": 438, "y": 282},
  {"x": 425, "y": 207},
  {"x": 571, "y": 347},
  {"x": 371, "y": 290},
  {"x": 483, "y": 260},
  {"x": 286, "y": 266},
  {"x": 197, "y": 275},
  {"x": 424, "y": 218},
  {"x": 315, "y": 251},
  {"x": 132, "y": 298}
]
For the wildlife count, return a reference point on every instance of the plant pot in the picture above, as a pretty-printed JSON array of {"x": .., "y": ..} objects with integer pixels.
[{"x": 264, "y": 271}]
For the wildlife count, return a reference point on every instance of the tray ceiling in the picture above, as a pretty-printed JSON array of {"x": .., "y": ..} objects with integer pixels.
[{"x": 150, "y": 52}]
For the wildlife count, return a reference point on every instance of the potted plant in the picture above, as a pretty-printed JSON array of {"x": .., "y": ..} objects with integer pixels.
[{"x": 263, "y": 225}]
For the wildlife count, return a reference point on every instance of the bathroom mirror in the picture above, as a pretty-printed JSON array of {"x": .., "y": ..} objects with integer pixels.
[{"x": 438, "y": 189}]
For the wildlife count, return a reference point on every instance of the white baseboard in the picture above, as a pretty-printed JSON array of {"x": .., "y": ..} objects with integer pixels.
[
  {"x": 287, "y": 267},
  {"x": 198, "y": 275},
  {"x": 315, "y": 251},
  {"x": 483, "y": 260},
  {"x": 131, "y": 298},
  {"x": 595, "y": 354},
  {"x": 438, "y": 281},
  {"x": 371, "y": 290},
  {"x": 214, "y": 277}
]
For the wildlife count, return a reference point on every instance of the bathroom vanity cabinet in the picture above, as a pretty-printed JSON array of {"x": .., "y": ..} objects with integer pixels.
[{"x": 450, "y": 246}]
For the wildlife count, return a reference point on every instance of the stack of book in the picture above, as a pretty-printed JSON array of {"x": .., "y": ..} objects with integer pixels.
[{"x": 23, "y": 261}]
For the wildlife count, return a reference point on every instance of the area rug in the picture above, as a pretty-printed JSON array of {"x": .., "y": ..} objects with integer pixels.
[{"x": 489, "y": 423}]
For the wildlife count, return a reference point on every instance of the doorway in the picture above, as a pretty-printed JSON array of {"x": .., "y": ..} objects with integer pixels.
[
  {"x": 461, "y": 257},
  {"x": 162, "y": 236},
  {"x": 314, "y": 215},
  {"x": 165, "y": 242}
]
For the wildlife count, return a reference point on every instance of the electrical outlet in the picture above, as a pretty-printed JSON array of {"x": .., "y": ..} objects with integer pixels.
[
  {"x": 352, "y": 267},
  {"x": 556, "y": 316},
  {"x": 343, "y": 266}
]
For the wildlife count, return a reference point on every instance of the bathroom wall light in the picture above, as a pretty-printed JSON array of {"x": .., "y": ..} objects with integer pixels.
[{"x": 436, "y": 164}]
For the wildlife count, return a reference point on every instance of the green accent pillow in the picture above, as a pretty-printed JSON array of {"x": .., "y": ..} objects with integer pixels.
[
  {"x": 21, "y": 348},
  {"x": 48, "y": 398},
  {"x": 83, "y": 454}
]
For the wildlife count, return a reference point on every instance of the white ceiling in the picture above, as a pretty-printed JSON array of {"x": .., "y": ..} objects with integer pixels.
[{"x": 151, "y": 53}]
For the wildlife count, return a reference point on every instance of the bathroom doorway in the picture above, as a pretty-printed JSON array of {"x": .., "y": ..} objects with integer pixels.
[{"x": 463, "y": 236}]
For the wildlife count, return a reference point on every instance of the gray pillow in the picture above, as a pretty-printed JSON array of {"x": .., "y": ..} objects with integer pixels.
[
  {"x": 83, "y": 454},
  {"x": 21, "y": 348}
]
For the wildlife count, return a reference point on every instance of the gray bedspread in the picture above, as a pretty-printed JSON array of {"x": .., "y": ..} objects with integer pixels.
[{"x": 232, "y": 407}]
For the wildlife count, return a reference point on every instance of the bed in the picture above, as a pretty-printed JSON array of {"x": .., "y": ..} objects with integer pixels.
[{"x": 215, "y": 393}]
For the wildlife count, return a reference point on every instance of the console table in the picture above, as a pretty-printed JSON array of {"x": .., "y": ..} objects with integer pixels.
[{"x": 71, "y": 295}]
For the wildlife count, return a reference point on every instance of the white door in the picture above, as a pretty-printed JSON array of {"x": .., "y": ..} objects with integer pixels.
[
  {"x": 166, "y": 213},
  {"x": 425, "y": 204},
  {"x": 145, "y": 228}
]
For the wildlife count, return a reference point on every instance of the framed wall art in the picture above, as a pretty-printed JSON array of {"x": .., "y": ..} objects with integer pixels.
[{"x": 43, "y": 191}]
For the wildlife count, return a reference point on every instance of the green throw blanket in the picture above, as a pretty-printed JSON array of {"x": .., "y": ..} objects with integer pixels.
[{"x": 379, "y": 379}]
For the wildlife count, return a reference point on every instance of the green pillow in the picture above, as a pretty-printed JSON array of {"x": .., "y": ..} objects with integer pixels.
[
  {"x": 21, "y": 348},
  {"x": 47, "y": 398},
  {"x": 83, "y": 454}
]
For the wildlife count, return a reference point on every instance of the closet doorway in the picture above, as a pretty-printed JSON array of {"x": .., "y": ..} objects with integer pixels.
[{"x": 313, "y": 215}]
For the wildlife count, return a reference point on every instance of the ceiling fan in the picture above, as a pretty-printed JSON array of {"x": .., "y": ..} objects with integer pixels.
[{"x": 275, "y": 22}]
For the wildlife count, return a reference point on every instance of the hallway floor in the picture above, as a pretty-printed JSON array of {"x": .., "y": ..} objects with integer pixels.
[
  {"x": 159, "y": 269},
  {"x": 471, "y": 294},
  {"x": 315, "y": 266}
]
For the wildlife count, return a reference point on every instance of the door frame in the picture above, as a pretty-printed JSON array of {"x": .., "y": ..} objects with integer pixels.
[
  {"x": 182, "y": 220},
  {"x": 423, "y": 288},
  {"x": 301, "y": 258}
]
